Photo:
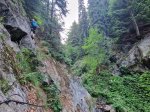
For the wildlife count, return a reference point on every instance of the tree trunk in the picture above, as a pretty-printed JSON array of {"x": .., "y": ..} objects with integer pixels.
[
  {"x": 47, "y": 11},
  {"x": 135, "y": 24},
  {"x": 52, "y": 14},
  {"x": 52, "y": 9}
]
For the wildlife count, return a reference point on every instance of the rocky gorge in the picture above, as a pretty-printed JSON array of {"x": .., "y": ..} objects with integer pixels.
[{"x": 19, "y": 94}]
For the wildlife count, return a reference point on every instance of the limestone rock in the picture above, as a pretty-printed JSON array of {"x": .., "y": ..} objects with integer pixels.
[
  {"x": 16, "y": 23},
  {"x": 15, "y": 91},
  {"x": 139, "y": 56}
]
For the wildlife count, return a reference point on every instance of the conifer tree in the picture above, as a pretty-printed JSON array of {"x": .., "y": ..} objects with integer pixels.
[
  {"x": 98, "y": 15},
  {"x": 83, "y": 20},
  {"x": 127, "y": 14}
]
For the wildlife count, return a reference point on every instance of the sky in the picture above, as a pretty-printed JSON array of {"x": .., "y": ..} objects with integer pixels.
[{"x": 71, "y": 17}]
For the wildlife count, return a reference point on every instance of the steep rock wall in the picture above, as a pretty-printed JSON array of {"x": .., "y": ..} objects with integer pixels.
[
  {"x": 16, "y": 22},
  {"x": 7, "y": 75},
  {"x": 15, "y": 33},
  {"x": 74, "y": 97}
]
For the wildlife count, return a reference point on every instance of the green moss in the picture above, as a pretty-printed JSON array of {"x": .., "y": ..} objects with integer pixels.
[{"x": 4, "y": 86}]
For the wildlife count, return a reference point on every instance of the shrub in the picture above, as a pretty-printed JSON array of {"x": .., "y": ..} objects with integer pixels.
[
  {"x": 125, "y": 93},
  {"x": 52, "y": 97}
]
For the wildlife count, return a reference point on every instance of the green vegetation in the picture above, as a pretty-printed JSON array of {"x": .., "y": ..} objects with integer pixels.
[
  {"x": 128, "y": 15},
  {"x": 28, "y": 63},
  {"x": 24, "y": 65},
  {"x": 144, "y": 81},
  {"x": 88, "y": 50},
  {"x": 4, "y": 86},
  {"x": 125, "y": 93},
  {"x": 53, "y": 101},
  {"x": 117, "y": 17},
  {"x": 99, "y": 16},
  {"x": 129, "y": 93},
  {"x": 73, "y": 47},
  {"x": 94, "y": 55},
  {"x": 8, "y": 57}
]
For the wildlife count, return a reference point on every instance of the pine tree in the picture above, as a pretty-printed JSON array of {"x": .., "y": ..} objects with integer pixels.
[
  {"x": 83, "y": 20},
  {"x": 98, "y": 14},
  {"x": 73, "y": 47},
  {"x": 73, "y": 35},
  {"x": 127, "y": 14}
]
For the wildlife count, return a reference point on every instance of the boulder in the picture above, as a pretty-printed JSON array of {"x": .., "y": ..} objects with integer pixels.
[{"x": 138, "y": 58}]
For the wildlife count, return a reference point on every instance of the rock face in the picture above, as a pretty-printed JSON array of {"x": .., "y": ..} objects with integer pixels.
[
  {"x": 14, "y": 33},
  {"x": 15, "y": 91},
  {"x": 138, "y": 58},
  {"x": 74, "y": 97},
  {"x": 15, "y": 21},
  {"x": 10, "y": 88}
]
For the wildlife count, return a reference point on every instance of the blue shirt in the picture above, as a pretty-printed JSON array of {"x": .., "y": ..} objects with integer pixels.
[{"x": 34, "y": 24}]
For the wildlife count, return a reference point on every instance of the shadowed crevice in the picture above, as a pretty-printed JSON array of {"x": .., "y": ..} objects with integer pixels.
[{"x": 16, "y": 33}]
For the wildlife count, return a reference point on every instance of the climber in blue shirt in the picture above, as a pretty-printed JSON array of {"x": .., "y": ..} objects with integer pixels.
[{"x": 34, "y": 25}]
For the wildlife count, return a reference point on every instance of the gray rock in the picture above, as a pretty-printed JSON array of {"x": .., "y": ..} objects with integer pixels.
[
  {"x": 28, "y": 42},
  {"x": 15, "y": 33},
  {"x": 46, "y": 79},
  {"x": 15, "y": 91},
  {"x": 139, "y": 56},
  {"x": 14, "y": 45},
  {"x": 115, "y": 70},
  {"x": 16, "y": 22},
  {"x": 6, "y": 108}
]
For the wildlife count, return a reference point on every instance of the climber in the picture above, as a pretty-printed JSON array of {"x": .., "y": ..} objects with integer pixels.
[{"x": 34, "y": 25}]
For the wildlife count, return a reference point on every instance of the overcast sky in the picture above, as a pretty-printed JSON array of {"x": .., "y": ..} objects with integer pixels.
[{"x": 71, "y": 16}]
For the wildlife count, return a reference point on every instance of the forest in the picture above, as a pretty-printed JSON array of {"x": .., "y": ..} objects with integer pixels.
[
  {"x": 104, "y": 65},
  {"x": 101, "y": 41}
]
